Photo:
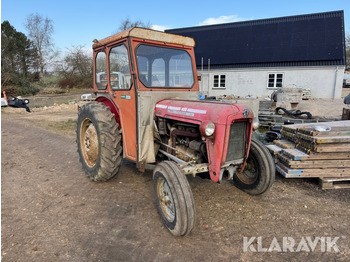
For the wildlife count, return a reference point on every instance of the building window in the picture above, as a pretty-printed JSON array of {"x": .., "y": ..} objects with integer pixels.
[
  {"x": 275, "y": 80},
  {"x": 219, "y": 81}
]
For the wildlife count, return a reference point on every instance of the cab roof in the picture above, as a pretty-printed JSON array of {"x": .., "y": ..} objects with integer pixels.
[{"x": 148, "y": 34}]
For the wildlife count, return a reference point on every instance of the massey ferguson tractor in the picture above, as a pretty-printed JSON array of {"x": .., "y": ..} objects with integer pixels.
[{"x": 148, "y": 111}]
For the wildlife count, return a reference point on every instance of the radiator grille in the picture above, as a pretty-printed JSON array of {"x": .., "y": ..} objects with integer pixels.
[{"x": 237, "y": 142}]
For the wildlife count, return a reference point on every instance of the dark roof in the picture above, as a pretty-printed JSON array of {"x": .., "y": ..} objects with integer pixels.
[{"x": 302, "y": 40}]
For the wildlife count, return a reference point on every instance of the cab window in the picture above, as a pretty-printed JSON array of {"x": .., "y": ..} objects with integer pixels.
[
  {"x": 164, "y": 67},
  {"x": 101, "y": 70},
  {"x": 119, "y": 68}
]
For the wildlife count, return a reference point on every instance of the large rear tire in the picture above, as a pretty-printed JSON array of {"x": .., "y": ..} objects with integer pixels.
[
  {"x": 174, "y": 198},
  {"x": 259, "y": 172},
  {"x": 99, "y": 142}
]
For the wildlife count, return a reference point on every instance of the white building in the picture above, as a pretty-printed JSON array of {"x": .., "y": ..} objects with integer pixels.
[{"x": 257, "y": 57}]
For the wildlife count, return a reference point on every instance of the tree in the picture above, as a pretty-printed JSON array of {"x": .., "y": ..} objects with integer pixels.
[
  {"x": 18, "y": 60},
  {"x": 76, "y": 68},
  {"x": 15, "y": 50},
  {"x": 40, "y": 32},
  {"x": 127, "y": 23}
]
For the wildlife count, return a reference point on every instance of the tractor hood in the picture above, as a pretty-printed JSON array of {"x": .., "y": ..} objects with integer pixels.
[{"x": 197, "y": 111}]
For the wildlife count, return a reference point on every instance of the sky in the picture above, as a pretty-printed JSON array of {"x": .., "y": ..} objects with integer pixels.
[{"x": 77, "y": 22}]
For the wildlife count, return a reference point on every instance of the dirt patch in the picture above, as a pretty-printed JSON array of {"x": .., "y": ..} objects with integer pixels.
[
  {"x": 331, "y": 109},
  {"x": 50, "y": 100},
  {"x": 57, "y": 118},
  {"x": 52, "y": 212}
]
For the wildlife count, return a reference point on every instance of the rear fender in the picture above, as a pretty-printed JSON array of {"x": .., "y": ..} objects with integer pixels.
[{"x": 112, "y": 106}]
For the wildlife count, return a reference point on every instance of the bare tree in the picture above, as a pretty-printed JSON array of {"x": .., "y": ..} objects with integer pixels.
[
  {"x": 76, "y": 68},
  {"x": 40, "y": 31},
  {"x": 77, "y": 61},
  {"x": 127, "y": 23}
]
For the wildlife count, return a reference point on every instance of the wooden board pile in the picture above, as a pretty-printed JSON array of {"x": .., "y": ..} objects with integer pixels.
[{"x": 320, "y": 150}]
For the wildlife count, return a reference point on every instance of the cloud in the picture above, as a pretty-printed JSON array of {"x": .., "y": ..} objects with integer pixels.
[
  {"x": 159, "y": 27},
  {"x": 209, "y": 21},
  {"x": 221, "y": 19}
]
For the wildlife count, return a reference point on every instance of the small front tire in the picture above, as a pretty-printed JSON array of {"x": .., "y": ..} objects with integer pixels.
[
  {"x": 259, "y": 172},
  {"x": 174, "y": 198}
]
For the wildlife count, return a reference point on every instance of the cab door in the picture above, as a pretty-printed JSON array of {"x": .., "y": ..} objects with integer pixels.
[{"x": 122, "y": 91}]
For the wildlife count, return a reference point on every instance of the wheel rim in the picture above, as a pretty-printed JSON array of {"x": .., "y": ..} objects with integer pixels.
[
  {"x": 89, "y": 142},
  {"x": 250, "y": 173},
  {"x": 166, "y": 200}
]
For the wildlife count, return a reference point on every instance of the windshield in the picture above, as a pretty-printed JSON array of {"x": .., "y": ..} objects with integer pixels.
[{"x": 164, "y": 67}]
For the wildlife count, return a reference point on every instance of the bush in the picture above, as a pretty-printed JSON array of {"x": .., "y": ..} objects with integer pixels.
[
  {"x": 17, "y": 85},
  {"x": 76, "y": 82},
  {"x": 66, "y": 83},
  {"x": 52, "y": 91},
  {"x": 28, "y": 90}
]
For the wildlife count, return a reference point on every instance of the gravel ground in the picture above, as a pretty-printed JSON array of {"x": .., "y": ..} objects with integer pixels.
[{"x": 52, "y": 212}]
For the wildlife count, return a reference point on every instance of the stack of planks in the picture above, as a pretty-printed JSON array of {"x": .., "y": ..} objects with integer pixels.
[{"x": 315, "y": 150}]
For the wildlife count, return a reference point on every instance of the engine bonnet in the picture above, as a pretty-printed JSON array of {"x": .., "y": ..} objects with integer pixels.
[{"x": 197, "y": 110}]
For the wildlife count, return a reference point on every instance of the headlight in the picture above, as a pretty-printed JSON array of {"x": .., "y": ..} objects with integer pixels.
[
  {"x": 208, "y": 128},
  {"x": 256, "y": 123}
]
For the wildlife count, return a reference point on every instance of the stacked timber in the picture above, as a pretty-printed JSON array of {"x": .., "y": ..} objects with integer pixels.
[{"x": 319, "y": 150}]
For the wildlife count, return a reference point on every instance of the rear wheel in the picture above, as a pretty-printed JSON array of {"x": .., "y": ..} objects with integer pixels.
[
  {"x": 259, "y": 172},
  {"x": 174, "y": 198},
  {"x": 99, "y": 142}
]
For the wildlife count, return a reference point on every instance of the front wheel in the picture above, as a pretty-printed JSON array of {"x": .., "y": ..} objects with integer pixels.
[
  {"x": 259, "y": 172},
  {"x": 174, "y": 198}
]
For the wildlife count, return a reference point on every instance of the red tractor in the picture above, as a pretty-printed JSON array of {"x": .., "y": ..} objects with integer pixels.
[{"x": 148, "y": 110}]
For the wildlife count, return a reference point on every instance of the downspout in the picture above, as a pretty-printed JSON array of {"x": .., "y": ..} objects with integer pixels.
[
  {"x": 209, "y": 87},
  {"x": 335, "y": 81}
]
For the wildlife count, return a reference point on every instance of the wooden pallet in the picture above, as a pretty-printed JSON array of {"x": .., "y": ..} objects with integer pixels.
[
  {"x": 288, "y": 172},
  {"x": 336, "y": 128},
  {"x": 308, "y": 139},
  {"x": 283, "y": 143},
  {"x": 335, "y": 182},
  {"x": 274, "y": 149},
  {"x": 291, "y": 136},
  {"x": 309, "y": 153},
  {"x": 296, "y": 154},
  {"x": 323, "y": 147},
  {"x": 311, "y": 164},
  {"x": 336, "y": 138}
]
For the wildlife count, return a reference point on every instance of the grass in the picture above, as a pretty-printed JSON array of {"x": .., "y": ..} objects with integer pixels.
[
  {"x": 49, "y": 86},
  {"x": 66, "y": 128},
  {"x": 67, "y": 125}
]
